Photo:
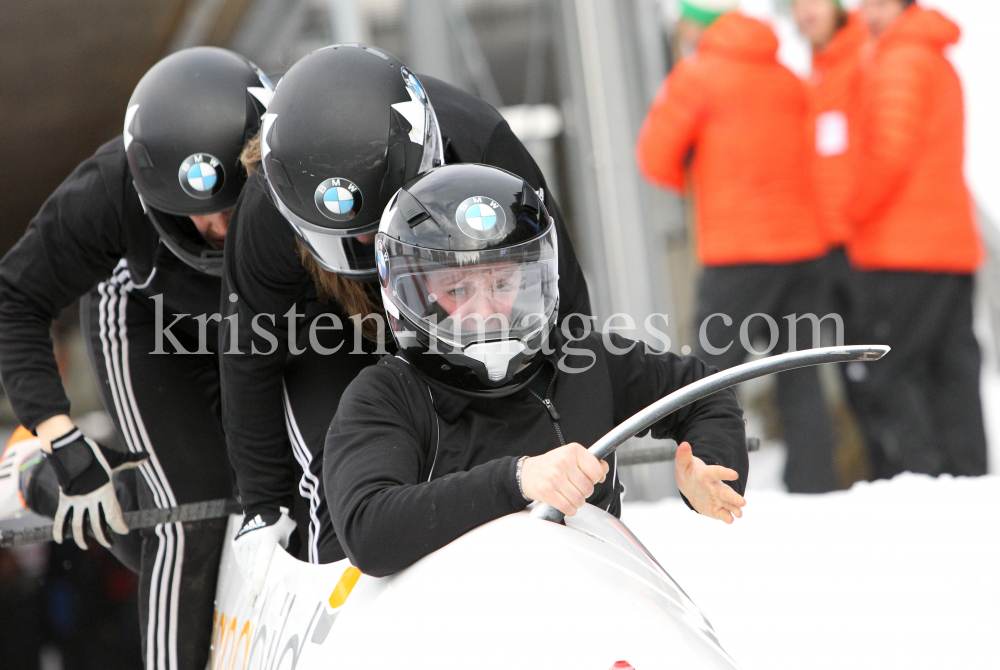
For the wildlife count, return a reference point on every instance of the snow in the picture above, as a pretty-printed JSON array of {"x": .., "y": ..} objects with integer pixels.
[
  {"x": 891, "y": 574},
  {"x": 900, "y": 574}
]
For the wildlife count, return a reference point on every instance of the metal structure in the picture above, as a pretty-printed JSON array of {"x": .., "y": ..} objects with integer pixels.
[
  {"x": 348, "y": 21},
  {"x": 611, "y": 59},
  {"x": 428, "y": 40}
]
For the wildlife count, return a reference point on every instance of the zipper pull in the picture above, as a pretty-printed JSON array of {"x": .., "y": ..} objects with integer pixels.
[{"x": 552, "y": 409}]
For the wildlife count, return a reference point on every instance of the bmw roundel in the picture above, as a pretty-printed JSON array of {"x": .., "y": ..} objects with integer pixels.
[
  {"x": 480, "y": 217},
  {"x": 338, "y": 199},
  {"x": 201, "y": 176},
  {"x": 382, "y": 262},
  {"x": 413, "y": 84}
]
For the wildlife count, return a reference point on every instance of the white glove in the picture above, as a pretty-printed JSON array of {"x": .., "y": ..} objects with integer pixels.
[
  {"x": 254, "y": 546},
  {"x": 84, "y": 468}
]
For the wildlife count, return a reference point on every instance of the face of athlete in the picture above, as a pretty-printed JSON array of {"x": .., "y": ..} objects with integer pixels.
[
  {"x": 483, "y": 294},
  {"x": 213, "y": 227},
  {"x": 817, "y": 20},
  {"x": 879, "y": 14}
]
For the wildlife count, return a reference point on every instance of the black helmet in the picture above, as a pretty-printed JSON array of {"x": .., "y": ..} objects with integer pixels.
[
  {"x": 185, "y": 126},
  {"x": 347, "y": 127},
  {"x": 467, "y": 258}
]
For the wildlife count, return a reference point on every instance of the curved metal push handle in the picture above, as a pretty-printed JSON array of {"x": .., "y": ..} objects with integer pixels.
[{"x": 713, "y": 383}]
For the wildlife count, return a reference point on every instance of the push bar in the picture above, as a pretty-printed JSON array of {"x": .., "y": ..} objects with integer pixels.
[
  {"x": 135, "y": 520},
  {"x": 643, "y": 419}
]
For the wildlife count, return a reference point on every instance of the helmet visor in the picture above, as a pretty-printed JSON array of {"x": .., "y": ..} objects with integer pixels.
[
  {"x": 179, "y": 234},
  {"x": 350, "y": 256},
  {"x": 428, "y": 134},
  {"x": 464, "y": 297}
]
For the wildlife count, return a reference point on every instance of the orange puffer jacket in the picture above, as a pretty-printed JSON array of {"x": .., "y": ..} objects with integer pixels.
[
  {"x": 910, "y": 204},
  {"x": 834, "y": 85},
  {"x": 744, "y": 117}
]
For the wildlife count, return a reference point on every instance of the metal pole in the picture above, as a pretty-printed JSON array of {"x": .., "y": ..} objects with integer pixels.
[
  {"x": 713, "y": 384},
  {"x": 348, "y": 22},
  {"x": 428, "y": 40},
  {"x": 135, "y": 520},
  {"x": 610, "y": 60},
  {"x": 608, "y": 66},
  {"x": 472, "y": 53}
]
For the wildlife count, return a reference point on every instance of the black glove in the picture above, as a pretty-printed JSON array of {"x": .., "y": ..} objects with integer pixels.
[{"x": 83, "y": 468}]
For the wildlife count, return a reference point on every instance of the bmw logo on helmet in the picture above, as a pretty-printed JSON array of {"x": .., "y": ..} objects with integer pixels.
[
  {"x": 201, "y": 176},
  {"x": 338, "y": 199},
  {"x": 382, "y": 262},
  {"x": 413, "y": 84},
  {"x": 480, "y": 217}
]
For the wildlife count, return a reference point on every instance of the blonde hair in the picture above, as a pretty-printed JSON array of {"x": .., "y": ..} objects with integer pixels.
[
  {"x": 250, "y": 156},
  {"x": 352, "y": 296},
  {"x": 331, "y": 287}
]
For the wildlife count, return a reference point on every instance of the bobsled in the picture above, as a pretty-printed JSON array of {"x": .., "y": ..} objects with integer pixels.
[
  {"x": 518, "y": 592},
  {"x": 528, "y": 590}
]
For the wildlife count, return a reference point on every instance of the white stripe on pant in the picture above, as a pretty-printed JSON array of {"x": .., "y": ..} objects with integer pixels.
[
  {"x": 164, "y": 584},
  {"x": 309, "y": 484}
]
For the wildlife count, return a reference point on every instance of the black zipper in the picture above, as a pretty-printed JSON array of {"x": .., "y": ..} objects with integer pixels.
[{"x": 551, "y": 409}]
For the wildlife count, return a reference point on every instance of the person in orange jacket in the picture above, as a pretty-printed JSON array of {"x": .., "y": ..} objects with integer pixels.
[
  {"x": 916, "y": 243},
  {"x": 837, "y": 40},
  {"x": 742, "y": 118}
]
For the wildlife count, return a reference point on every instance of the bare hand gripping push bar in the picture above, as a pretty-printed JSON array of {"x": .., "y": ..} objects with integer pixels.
[
  {"x": 642, "y": 420},
  {"x": 212, "y": 509}
]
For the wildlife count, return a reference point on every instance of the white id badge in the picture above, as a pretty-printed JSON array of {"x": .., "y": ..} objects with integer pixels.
[{"x": 831, "y": 133}]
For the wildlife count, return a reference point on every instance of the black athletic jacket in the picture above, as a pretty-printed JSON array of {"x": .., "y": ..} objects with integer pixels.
[
  {"x": 410, "y": 465},
  {"x": 91, "y": 222},
  {"x": 264, "y": 269}
]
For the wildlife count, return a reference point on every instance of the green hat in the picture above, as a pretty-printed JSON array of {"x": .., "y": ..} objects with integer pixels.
[{"x": 706, "y": 12}]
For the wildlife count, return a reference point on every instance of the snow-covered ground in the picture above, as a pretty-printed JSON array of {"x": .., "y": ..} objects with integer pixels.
[
  {"x": 891, "y": 574},
  {"x": 900, "y": 574}
]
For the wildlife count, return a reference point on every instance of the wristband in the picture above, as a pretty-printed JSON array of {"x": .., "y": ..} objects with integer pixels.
[
  {"x": 67, "y": 438},
  {"x": 517, "y": 472}
]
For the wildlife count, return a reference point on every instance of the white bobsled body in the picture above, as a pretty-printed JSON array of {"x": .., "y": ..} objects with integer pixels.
[{"x": 516, "y": 593}]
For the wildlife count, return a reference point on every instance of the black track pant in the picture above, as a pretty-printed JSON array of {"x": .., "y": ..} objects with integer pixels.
[
  {"x": 169, "y": 406},
  {"x": 313, "y": 384},
  {"x": 920, "y": 406},
  {"x": 843, "y": 294},
  {"x": 741, "y": 291}
]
